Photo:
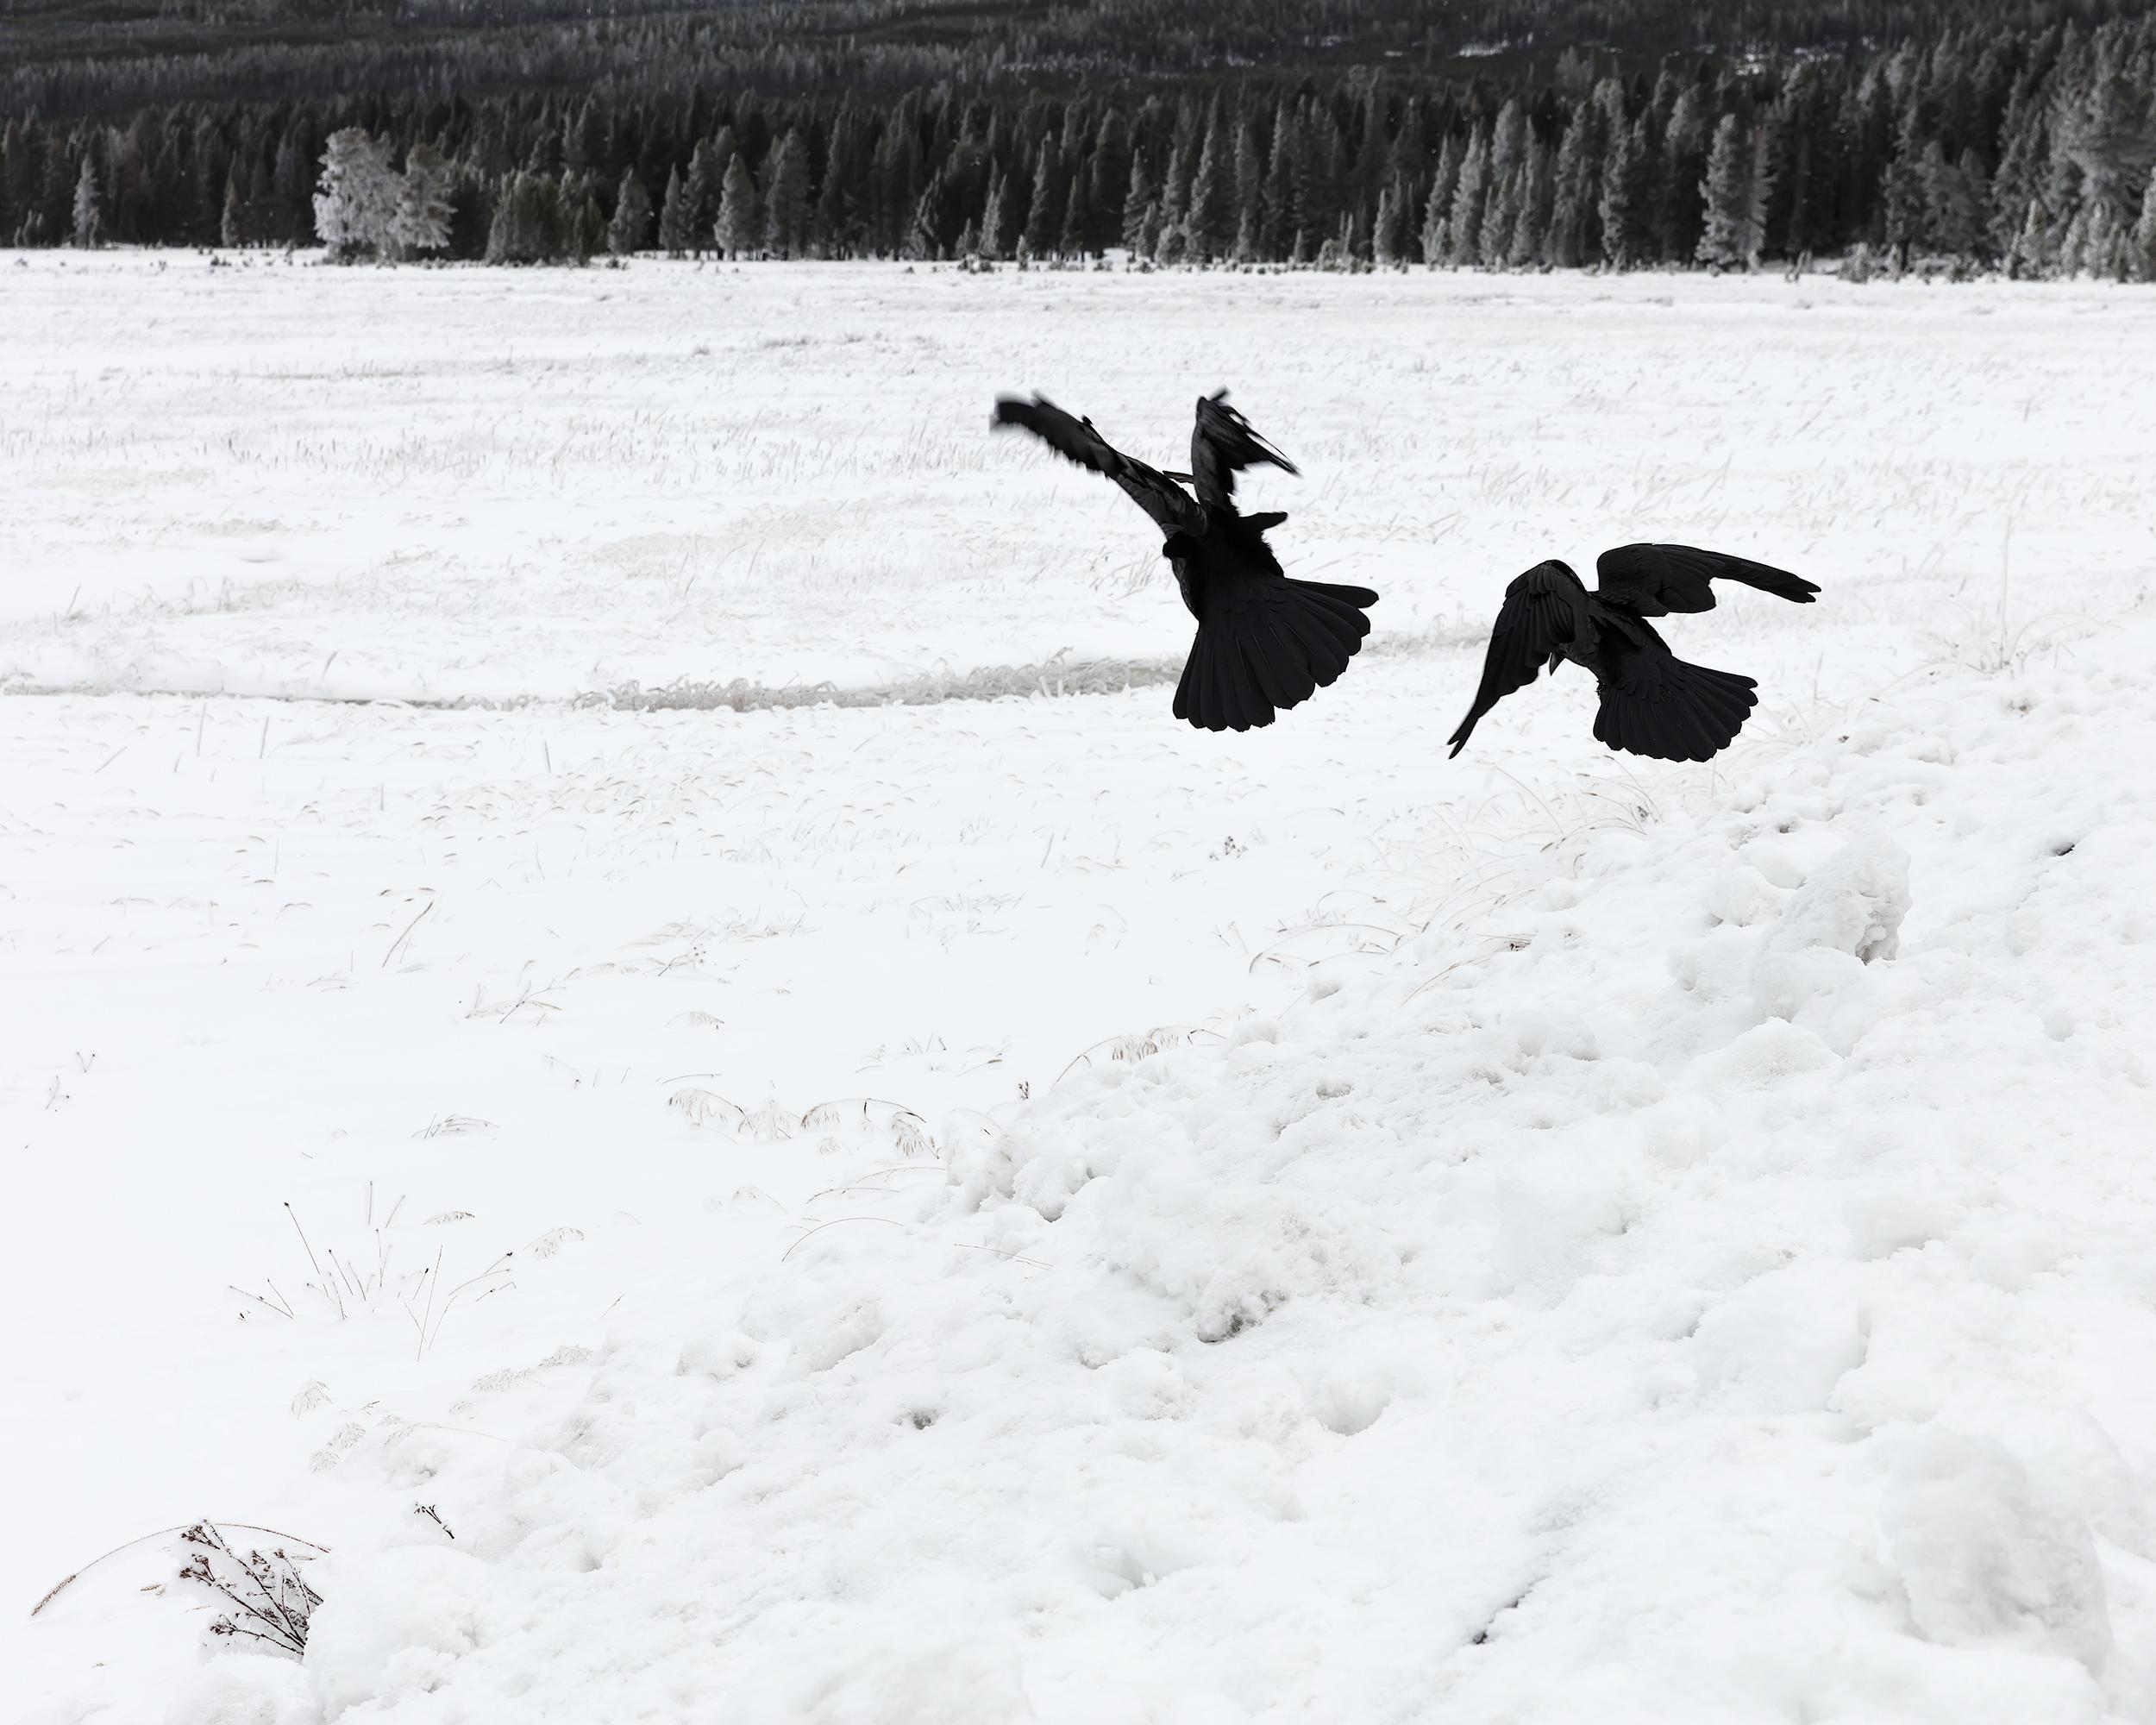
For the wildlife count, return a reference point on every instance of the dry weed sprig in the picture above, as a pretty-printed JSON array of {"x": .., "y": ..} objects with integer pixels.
[
  {"x": 271, "y": 1601},
  {"x": 74, "y": 1576}
]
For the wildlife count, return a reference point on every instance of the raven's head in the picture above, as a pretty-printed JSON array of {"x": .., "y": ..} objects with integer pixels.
[{"x": 1179, "y": 545}]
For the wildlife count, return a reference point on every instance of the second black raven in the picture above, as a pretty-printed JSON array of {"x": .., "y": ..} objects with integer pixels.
[
  {"x": 1264, "y": 643},
  {"x": 1653, "y": 702}
]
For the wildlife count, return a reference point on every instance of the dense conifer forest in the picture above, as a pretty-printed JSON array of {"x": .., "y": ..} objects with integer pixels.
[{"x": 1341, "y": 133}]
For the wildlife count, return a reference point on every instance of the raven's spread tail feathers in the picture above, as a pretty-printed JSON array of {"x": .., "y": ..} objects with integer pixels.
[
  {"x": 1275, "y": 646},
  {"x": 1679, "y": 713}
]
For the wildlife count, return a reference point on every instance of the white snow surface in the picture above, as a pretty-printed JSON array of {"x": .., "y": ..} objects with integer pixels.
[{"x": 1017, "y": 1210}]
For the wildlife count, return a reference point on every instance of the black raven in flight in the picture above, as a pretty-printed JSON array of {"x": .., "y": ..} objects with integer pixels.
[
  {"x": 1653, "y": 703},
  {"x": 1264, "y": 642}
]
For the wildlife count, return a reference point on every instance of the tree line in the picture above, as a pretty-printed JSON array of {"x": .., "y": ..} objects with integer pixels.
[
  {"x": 63, "y": 60},
  {"x": 2034, "y": 152}
]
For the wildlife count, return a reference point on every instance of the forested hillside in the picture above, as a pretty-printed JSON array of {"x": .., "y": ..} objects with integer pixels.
[{"x": 871, "y": 131}]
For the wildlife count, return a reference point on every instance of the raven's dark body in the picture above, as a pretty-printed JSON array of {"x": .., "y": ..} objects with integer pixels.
[
  {"x": 1264, "y": 642},
  {"x": 1653, "y": 702}
]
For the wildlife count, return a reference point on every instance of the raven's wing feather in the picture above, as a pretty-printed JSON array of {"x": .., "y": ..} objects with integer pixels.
[
  {"x": 1656, "y": 704},
  {"x": 1544, "y": 610},
  {"x": 1265, "y": 644},
  {"x": 1652, "y": 580},
  {"x": 1222, "y": 444},
  {"x": 1075, "y": 440}
]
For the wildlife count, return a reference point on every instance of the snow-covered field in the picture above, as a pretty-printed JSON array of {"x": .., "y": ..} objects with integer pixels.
[{"x": 900, "y": 1208}]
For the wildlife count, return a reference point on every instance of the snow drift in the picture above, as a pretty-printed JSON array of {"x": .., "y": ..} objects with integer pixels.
[{"x": 1715, "y": 1300}]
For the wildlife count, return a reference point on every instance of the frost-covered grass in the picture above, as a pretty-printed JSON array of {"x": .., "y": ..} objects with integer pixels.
[{"x": 1011, "y": 1208}]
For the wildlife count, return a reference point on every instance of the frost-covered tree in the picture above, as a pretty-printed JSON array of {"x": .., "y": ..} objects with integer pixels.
[
  {"x": 583, "y": 223},
  {"x": 1726, "y": 199},
  {"x": 421, "y": 222},
  {"x": 1464, "y": 228},
  {"x": 357, "y": 201},
  {"x": 787, "y": 198},
  {"x": 2143, "y": 252},
  {"x": 234, "y": 224},
  {"x": 740, "y": 221},
  {"x": 707, "y": 179},
  {"x": 1507, "y": 184},
  {"x": 1137, "y": 198},
  {"x": 632, "y": 225},
  {"x": 89, "y": 213},
  {"x": 2029, "y": 257},
  {"x": 1168, "y": 248},
  {"x": 1437, "y": 210},
  {"x": 676, "y": 233},
  {"x": 1572, "y": 198},
  {"x": 1954, "y": 208},
  {"x": 1148, "y": 231},
  {"x": 527, "y": 228},
  {"x": 1530, "y": 228},
  {"x": 999, "y": 218}
]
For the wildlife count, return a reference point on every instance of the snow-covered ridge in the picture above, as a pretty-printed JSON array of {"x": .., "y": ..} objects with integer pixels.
[{"x": 1713, "y": 1284}]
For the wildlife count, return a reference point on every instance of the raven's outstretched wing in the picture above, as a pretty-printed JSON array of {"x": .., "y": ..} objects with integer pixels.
[
  {"x": 1544, "y": 610},
  {"x": 1652, "y": 580},
  {"x": 1074, "y": 439},
  {"x": 1222, "y": 444}
]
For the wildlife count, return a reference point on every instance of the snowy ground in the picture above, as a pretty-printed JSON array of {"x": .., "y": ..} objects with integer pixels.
[{"x": 1543, "y": 1271}]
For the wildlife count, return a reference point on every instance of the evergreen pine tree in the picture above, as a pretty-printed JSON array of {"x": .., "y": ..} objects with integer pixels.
[
  {"x": 1389, "y": 228},
  {"x": 1464, "y": 231},
  {"x": 2029, "y": 257},
  {"x": 1622, "y": 209},
  {"x": 1437, "y": 209},
  {"x": 1667, "y": 202},
  {"x": 89, "y": 208},
  {"x": 1250, "y": 196},
  {"x": 2142, "y": 252},
  {"x": 421, "y": 220},
  {"x": 527, "y": 226},
  {"x": 631, "y": 226},
  {"x": 1726, "y": 199},
  {"x": 988, "y": 237},
  {"x": 1077, "y": 227},
  {"x": 1212, "y": 212},
  {"x": 1045, "y": 211},
  {"x": 293, "y": 223},
  {"x": 1907, "y": 223},
  {"x": 700, "y": 191},
  {"x": 675, "y": 234},
  {"x": 1502, "y": 215},
  {"x": 1762, "y": 194},
  {"x": 1507, "y": 184},
  {"x": 740, "y": 220},
  {"x": 1952, "y": 215},
  {"x": 234, "y": 230},
  {"x": 583, "y": 223},
  {"x": 1531, "y": 227},
  {"x": 1282, "y": 213},
  {"x": 1137, "y": 199},
  {"x": 1174, "y": 233},
  {"x": 786, "y": 196},
  {"x": 1572, "y": 196}
]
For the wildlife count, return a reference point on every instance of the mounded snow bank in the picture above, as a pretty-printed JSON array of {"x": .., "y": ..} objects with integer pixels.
[{"x": 1714, "y": 1285}]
